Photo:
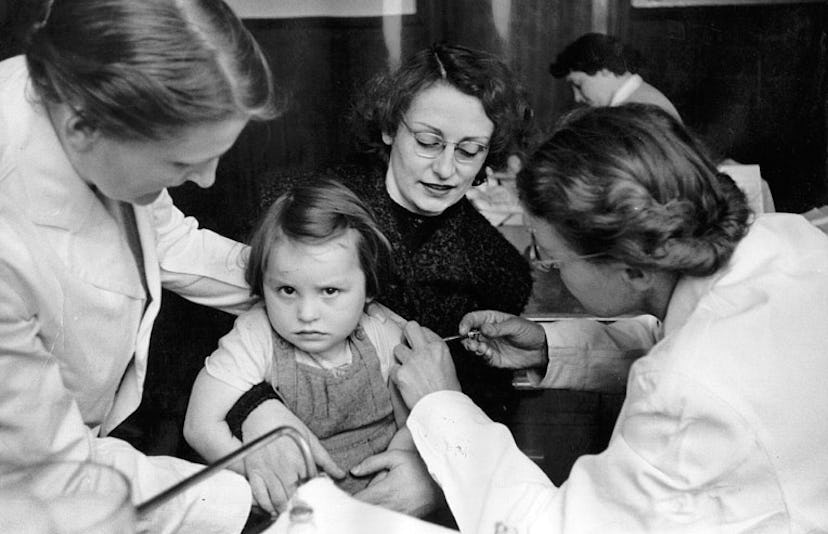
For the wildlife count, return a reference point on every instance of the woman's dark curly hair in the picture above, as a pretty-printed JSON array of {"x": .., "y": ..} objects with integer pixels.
[
  {"x": 593, "y": 52},
  {"x": 631, "y": 183},
  {"x": 386, "y": 98}
]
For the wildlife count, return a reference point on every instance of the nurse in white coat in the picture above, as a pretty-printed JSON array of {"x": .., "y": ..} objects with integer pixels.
[
  {"x": 723, "y": 427},
  {"x": 113, "y": 102}
]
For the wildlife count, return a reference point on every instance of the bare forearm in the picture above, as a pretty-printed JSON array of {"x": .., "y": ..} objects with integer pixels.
[
  {"x": 213, "y": 441},
  {"x": 266, "y": 416}
]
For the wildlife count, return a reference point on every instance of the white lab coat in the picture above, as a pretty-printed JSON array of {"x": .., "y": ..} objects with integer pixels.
[
  {"x": 723, "y": 428},
  {"x": 636, "y": 90},
  {"x": 76, "y": 316}
]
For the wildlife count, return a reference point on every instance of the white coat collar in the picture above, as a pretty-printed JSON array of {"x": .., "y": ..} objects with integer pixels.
[
  {"x": 751, "y": 252},
  {"x": 42, "y": 181},
  {"x": 53, "y": 193},
  {"x": 626, "y": 89},
  {"x": 686, "y": 296}
]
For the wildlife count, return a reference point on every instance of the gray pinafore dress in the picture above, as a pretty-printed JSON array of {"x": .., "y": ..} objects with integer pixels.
[{"x": 349, "y": 408}]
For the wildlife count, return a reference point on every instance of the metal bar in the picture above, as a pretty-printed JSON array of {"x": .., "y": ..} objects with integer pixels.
[{"x": 304, "y": 448}]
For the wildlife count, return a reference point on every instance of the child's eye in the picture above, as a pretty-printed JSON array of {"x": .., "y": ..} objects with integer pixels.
[
  {"x": 286, "y": 290},
  {"x": 331, "y": 291}
]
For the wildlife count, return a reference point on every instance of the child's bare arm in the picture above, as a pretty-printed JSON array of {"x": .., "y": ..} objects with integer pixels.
[
  {"x": 273, "y": 470},
  {"x": 204, "y": 426}
]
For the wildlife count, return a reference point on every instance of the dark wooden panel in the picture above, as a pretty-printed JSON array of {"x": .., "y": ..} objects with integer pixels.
[
  {"x": 530, "y": 37},
  {"x": 752, "y": 82}
]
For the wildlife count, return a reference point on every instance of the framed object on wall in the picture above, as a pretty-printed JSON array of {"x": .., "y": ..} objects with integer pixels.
[
  {"x": 699, "y": 3},
  {"x": 270, "y": 9}
]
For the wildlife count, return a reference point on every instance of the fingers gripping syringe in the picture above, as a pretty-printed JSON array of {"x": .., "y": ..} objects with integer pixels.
[{"x": 473, "y": 334}]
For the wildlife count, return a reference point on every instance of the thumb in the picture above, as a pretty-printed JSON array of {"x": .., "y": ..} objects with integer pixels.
[
  {"x": 324, "y": 461},
  {"x": 372, "y": 464},
  {"x": 392, "y": 372},
  {"x": 500, "y": 329},
  {"x": 402, "y": 353},
  {"x": 430, "y": 335},
  {"x": 415, "y": 335}
]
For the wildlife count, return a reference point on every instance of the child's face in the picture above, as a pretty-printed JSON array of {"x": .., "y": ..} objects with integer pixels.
[{"x": 315, "y": 293}]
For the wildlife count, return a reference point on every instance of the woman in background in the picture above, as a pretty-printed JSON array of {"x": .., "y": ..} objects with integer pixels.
[
  {"x": 114, "y": 102},
  {"x": 603, "y": 71}
]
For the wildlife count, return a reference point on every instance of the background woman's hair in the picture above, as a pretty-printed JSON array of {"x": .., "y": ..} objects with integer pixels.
[
  {"x": 143, "y": 69},
  {"x": 387, "y": 97},
  {"x": 593, "y": 52},
  {"x": 314, "y": 213},
  {"x": 632, "y": 183}
]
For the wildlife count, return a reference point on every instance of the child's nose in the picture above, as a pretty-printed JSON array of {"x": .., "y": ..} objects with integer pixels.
[{"x": 307, "y": 309}]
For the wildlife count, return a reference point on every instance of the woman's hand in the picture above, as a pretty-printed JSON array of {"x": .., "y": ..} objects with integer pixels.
[
  {"x": 425, "y": 365},
  {"x": 401, "y": 483},
  {"x": 505, "y": 340},
  {"x": 275, "y": 470}
]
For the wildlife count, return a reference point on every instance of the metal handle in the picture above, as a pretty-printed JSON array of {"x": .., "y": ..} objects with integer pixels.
[{"x": 289, "y": 431}]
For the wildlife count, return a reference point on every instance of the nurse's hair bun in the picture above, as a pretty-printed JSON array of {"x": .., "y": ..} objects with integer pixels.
[{"x": 631, "y": 184}]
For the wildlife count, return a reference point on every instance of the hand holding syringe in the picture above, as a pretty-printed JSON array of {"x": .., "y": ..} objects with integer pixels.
[{"x": 471, "y": 335}]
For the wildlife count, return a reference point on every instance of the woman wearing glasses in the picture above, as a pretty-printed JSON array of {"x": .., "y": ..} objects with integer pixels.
[
  {"x": 430, "y": 130},
  {"x": 723, "y": 426}
]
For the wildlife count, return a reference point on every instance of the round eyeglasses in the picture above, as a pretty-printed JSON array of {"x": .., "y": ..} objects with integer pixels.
[
  {"x": 546, "y": 265},
  {"x": 430, "y": 145}
]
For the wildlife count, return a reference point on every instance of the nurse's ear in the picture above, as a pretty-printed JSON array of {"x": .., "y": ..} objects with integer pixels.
[
  {"x": 76, "y": 132},
  {"x": 637, "y": 278},
  {"x": 387, "y": 138},
  {"x": 652, "y": 286}
]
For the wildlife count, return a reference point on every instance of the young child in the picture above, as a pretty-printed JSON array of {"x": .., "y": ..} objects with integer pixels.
[{"x": 315, "y": 260}]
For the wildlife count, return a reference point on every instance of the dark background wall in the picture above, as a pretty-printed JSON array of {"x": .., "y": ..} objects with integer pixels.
[{"x": 751, "y": 80}]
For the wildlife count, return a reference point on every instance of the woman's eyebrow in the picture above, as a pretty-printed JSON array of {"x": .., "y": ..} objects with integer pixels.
[{"x": 439, "y": 132}]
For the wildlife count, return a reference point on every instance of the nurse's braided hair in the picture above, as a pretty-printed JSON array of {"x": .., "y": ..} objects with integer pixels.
[
  {"x": 630, "y": 182},
  {"x": 145, "y": 69}
]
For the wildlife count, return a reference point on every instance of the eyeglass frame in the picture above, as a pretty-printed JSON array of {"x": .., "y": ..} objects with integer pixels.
[
  {"x": 548, "y": 265},
  {"x": 444, "y": 144}
]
